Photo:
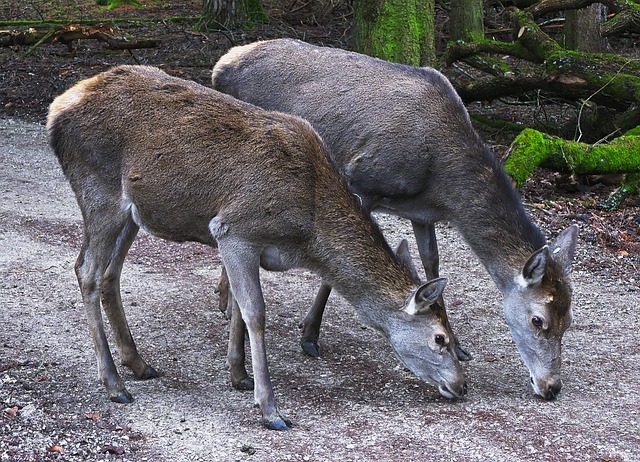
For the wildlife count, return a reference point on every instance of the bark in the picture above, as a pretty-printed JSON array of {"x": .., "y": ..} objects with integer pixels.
[
  {"x": 532, "y": 149},
  {"x": 231, "y": 13},
  {"x": 625, "y": 19},
  {"x": 396, "y": 30},
  {"x": 582, "y": 29},
  {"x": 70, "y": 32},
  {"x": 466, "y": 20},
  {"x": 600, "y": 123}
]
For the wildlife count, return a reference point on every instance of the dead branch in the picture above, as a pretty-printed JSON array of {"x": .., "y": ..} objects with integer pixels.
[
  {"x": 612, "y": 79},
  {"x": 68, "y": 33}
]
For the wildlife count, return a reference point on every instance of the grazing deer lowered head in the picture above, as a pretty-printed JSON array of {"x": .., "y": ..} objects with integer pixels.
[
  {"x": 187, "y": 163},
  {"x": 404, "y": 140}
]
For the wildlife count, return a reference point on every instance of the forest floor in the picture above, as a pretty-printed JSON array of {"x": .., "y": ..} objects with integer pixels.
[{"x": 354, "y": 403}]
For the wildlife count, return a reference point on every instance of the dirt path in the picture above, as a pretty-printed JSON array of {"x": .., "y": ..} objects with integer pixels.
[{"x": 354, "y": 403}]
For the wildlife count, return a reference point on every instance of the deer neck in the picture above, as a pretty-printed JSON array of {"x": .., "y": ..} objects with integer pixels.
[
  {"x": 350, "y": 253},
  {"x": 491, "y": 218}
]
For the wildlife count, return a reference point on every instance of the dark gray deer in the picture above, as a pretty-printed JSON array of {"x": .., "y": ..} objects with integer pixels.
[
  {"x": 404, "y": 140},
  {"x": 187, "y": 163}
]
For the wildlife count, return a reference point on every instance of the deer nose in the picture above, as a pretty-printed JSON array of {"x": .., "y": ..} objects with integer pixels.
[
  {"x": 450, "y": 392},
  {"x": 553, "y": 390}
]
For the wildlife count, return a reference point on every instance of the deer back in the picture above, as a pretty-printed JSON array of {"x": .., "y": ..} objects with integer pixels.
[{"x": 183, "y": 154}]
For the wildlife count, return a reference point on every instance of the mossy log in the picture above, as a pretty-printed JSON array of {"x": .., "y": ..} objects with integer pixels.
[
  {"x": 607, "y": 79},
  {"x": 69, "y": 32},
  {"x": 532, "y": 149}
]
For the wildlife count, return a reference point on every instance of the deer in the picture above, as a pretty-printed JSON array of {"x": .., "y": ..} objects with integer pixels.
[
  {"x": 404, "y": 140},
  {"x": 142, "y": 149}
]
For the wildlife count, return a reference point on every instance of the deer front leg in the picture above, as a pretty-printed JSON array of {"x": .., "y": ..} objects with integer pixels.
[
  {"x": 428, "y": 250},
  {"x": 112, "y": 305},
  {"x": 243, "y": 269},
  {"x": 311, "y": 324}
]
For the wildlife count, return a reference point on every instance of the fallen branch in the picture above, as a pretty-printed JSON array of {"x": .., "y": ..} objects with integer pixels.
[
  {"x": 614, "y": 81},
  {"x": 532, "y": 149},
  {"x": 40, "y": 22},
  {"x": 70, "y": 32}
]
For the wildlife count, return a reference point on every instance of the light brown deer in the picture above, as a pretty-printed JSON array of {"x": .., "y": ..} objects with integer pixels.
[
  {"x": 187, "y": 163},
  {"x": 404, "y": 140}
]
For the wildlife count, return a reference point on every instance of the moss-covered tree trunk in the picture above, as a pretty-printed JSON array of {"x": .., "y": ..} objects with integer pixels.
[
  {"x": 466, "y": 20},
  {"x": 401, "y": 31},
  {"x": 231, "y": 13}
]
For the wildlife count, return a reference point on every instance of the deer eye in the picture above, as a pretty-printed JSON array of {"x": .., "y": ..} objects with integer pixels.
[
  {"x": 537, "y": 321},
  {"x": 440, "y": 339}
]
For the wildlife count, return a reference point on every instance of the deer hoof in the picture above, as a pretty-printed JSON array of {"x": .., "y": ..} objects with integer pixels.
[
  {"x": 148, "y": 373},
  {"x": 245, "y": 384},
  {"x": 461, "y": 354},
  {"x": 278, "y": 423},
  {"x": 311, "y": 348},
  {"x": 123, "y": 397}
]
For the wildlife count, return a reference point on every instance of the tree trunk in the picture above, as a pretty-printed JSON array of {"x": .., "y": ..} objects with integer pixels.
[
  {"x": 466, "y": 20},
  {"x": 231, "y": 13},
  {"x": 401, "y": 31},
  {"x": 532, "y": 149},
  {"x": 582, "y": 29}
]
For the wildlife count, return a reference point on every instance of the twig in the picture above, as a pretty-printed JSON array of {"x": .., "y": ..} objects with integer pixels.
[
  {"x": 584, "y": 103},
  {"x": 606, "y": 137},
  {"x": 39, "y": 42}
]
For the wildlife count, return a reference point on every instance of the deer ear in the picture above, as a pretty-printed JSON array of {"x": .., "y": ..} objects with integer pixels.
[
  {"x": 425, "y": 296},
  {"x": 564, "y": 246},
  {"x": 403, "y": 254},
  {"x": 535, "y": 267}
]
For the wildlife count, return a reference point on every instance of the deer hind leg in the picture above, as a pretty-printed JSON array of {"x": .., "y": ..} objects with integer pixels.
[
  {"x": 100, "y": 235},
  {"x": 243, "y": 269},
  {"x": 112, "y": 305},
  {"x": 225, "y": 299},
  {"x": 311, "y": 324},
  {"x": 235, "y": 353},
  {"x": 428, "y": 248}
]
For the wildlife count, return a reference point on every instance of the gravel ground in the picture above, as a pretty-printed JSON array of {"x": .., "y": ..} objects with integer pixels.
[{"x": 355, "y": 403}]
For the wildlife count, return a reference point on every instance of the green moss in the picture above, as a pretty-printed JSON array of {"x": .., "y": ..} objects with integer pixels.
[
  {"x": 533, "y": 149},
  {"x": 633, "y": 132},
  {"x": 529, "y": 150},
  {"x": 255, "y": 13},
  {"x": 615, "y": 157},
  {"x": 398, "y": 31},
  {"x": 620, "y": 84},
  {"x": 466, "y": 20},
  {"x": 113, "y": 4}
]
